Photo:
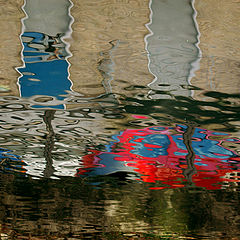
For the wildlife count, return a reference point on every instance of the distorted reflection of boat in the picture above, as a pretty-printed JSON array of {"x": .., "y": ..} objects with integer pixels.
[
  {"x": 167, "y": 155},
  {"x": 124, "y": 124},
  {"x": 179, "y": 156}
]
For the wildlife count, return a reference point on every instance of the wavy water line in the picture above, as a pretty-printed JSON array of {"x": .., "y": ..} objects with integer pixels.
[
  {"x": 146, "y": 41},
  {"x": 68, "y": 35},
  {"x": 21, "y": 53},
  {"x": 195, "y": 64}
]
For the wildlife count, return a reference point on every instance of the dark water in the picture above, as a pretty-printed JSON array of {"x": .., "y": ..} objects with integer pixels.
[{"x": 119, "y": 152}]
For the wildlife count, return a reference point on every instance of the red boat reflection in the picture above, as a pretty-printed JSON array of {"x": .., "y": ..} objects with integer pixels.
[{"x": 162, "y": 154}]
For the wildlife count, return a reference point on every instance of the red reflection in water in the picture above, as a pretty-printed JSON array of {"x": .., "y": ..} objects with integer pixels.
[{"x": 159, "y": 154}]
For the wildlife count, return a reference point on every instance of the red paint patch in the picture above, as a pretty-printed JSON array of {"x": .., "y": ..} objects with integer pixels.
[{"x": 139, "y": 117}]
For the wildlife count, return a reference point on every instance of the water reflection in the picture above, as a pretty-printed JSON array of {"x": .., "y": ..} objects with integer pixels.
[
  {"x": 10, "y": 163},
  {"x": 172, "y": 46},
  {"x": 176, "y": 157},
  {"x": 122, "y": 156},
  {"x": 108, "y": 44},
  {"x": 45, "y": 71},
  {"x": 57, "y": 143}
]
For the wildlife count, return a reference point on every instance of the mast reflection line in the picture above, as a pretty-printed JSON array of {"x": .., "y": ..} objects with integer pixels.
[
  {"x": 49, "y": 144},
  {"x": 187, "y": 140}
]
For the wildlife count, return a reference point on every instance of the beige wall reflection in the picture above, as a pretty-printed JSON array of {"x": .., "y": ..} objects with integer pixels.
[
  {"x": 108, "y": 43},
  {"x": 10, "y": 28},
  {"x": 95, "y": 59},
  {"x": 218, "y": 22}
]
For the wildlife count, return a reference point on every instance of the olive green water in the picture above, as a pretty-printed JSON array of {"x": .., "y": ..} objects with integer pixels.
[{"x": 119, "y": 119}]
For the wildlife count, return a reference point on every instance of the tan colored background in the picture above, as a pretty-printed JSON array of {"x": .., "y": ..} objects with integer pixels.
[
  {"x": 218, "y": 22},
  {"x": 96, "y": 24},
  {"x": 10, "y": 28}
]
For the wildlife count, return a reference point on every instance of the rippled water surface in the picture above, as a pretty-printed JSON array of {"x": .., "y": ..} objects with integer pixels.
[{"x": 119, "y": 119}]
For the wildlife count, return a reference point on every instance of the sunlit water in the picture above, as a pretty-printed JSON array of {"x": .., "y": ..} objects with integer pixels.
[{"x": 121, "y": 121}]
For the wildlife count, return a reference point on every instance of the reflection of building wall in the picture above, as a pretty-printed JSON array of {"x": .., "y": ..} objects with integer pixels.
[
  {"x": 219, "y": 42},
  {"x": 47, "y": 16},
  {"x": 172, "y": 46},
  {"x": 10, "y": 28},
  {"x": 95, "y": 59}
]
